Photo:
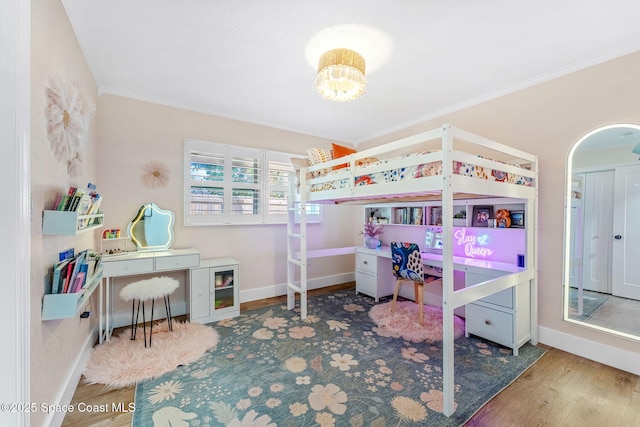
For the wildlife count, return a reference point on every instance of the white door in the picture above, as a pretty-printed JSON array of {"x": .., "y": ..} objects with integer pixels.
[
  {"x": 598, "y": 231},
  {"x": 626, "y": 229}
]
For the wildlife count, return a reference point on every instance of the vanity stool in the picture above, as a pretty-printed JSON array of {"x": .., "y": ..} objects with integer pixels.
[{"x": 149, "y": 289}]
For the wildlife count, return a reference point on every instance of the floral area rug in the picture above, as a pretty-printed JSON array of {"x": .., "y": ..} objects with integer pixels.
[{"x": 335, "y": 368}]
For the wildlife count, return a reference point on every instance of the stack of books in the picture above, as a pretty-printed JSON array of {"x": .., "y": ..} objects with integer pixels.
[
  {"x": 70, "y": 274},
  {"x": 83, "y": 201}
]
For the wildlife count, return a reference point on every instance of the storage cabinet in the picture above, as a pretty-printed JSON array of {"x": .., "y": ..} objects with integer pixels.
[
  {"x": 503, "y": 317},
  {"x": 214, "y": 290},
  {"x": 373, "y": 274}
]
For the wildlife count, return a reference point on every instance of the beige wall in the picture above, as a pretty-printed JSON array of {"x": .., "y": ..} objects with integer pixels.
[
  {"x": 134, "y": 133},
  {"x": 546, "y": 120},
  {"x": 55, "y": 345}
]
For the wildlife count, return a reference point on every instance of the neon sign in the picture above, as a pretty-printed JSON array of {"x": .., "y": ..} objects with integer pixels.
[{"x": 474, "y": 245}]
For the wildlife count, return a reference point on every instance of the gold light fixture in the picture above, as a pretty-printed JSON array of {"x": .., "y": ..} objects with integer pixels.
[{"x": 341, "y": 75}]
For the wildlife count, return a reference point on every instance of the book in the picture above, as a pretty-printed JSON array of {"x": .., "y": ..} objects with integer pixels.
[
  {"x": 64, "y": 200},
  {"x": 67, "y": 278},
  {"x": 78, "y": 283},
  {"x": 68, "y": 198},
  {"x": 56, "y": 204},
  {"x": 58, "y": 277},
  {"x": 75, "y": 200}
]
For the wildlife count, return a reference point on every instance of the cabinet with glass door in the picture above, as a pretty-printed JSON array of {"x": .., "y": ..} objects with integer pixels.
[{"x": 214, "y": 290}]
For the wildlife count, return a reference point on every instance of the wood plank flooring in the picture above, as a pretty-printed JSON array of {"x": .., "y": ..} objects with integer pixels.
[{"x": 561, "y": 389}]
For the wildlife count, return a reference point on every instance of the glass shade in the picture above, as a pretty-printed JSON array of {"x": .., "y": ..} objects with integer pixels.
[{"x": 341, "y": 75}]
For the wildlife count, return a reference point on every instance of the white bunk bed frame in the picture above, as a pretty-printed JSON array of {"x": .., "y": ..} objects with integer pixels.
[{"x": 446, "y": 187}]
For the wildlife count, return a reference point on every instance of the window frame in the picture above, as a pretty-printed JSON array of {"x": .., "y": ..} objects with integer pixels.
[{"x": 264, "y": 189}]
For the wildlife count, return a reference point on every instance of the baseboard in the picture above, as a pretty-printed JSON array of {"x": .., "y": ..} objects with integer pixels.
[
  {"x": 55, "y": 418},
  {"x": 123, "y": 318},
  {"x": 281, "y": 289},
  {"x": 625, "y": 360}
]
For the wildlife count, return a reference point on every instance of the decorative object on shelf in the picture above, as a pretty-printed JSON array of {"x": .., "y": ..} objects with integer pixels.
[
  {"x": 503, "y": 220},
  {"x": 371, "y": 232},
  {"x": 341, "y": 75},
  {"x": 460, "y": 218},
  {"x": 481, "y": 215},
  {"x": 156, "y": 175},
  {"x": 517, "y": 219},
  {"x": 68, "y": 114}
]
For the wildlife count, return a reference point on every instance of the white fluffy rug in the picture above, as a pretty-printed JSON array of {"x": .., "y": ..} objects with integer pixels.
[
  {"x": 403, "y": 322},
  {"x": 121, "y": 362}
]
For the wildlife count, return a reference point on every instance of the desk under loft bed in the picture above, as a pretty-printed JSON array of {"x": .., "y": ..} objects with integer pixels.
[{"x": 445, "y": 164}]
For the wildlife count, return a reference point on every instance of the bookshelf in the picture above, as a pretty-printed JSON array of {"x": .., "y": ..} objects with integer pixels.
[
  {"x": 69, "y": 223},
  {"x": 66, "y": 306}
]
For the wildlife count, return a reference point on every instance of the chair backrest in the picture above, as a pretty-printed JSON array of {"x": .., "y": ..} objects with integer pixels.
[{"x": 407, "y": 262}]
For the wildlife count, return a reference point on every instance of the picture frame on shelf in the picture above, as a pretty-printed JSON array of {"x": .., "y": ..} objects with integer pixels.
[
  {"x": 481, "y": 216},
  {"x": 517, "y": 219}
]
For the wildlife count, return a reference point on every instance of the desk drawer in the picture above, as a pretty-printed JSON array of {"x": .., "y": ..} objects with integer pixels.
[
  {"x": 177, "y": 262},
  {"x": 367, "y": 263},
  {"x": 127, "y": 267},
  {"x": 494, "y": 325},
  {"x": 366, "y": 284}
]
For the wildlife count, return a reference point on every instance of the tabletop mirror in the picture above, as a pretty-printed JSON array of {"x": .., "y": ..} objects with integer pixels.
[
  {"x": 152, "y": 228},
  {"x": 602, "y": 280}
]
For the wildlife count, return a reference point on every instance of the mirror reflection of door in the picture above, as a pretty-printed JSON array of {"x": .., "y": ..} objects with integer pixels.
[
  {"x": 602, "y": 276},
  {"x": 626, "y": 248}
]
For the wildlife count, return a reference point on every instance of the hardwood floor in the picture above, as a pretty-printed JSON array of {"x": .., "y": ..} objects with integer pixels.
[{"x": 561, "y": 389}]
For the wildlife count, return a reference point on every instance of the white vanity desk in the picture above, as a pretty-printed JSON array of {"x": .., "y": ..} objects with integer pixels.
[
  {"x": 503, "y": 317},
  {"x": 139, "y": 262}
]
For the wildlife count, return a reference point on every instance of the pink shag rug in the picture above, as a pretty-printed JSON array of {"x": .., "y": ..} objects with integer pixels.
[
  {"x": 403, "y": 322},
  {"x": 121, "y": 362}
]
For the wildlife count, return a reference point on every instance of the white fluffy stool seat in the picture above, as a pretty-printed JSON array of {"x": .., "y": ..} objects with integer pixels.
[
  {"x": 144, "y": 290},
  {"x": 148, "y": 289}
]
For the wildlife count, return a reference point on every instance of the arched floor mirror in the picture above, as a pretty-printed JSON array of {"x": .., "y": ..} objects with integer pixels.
[{"x": 602, "y": 231}]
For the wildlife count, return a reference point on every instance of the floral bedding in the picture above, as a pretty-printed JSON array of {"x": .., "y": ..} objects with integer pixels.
[{"x": 420, "y": 171}]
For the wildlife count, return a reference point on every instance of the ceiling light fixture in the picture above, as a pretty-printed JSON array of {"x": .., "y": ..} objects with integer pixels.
[
  {"x": 636, "y": 149},
  {"x": 341, "y": 75}
]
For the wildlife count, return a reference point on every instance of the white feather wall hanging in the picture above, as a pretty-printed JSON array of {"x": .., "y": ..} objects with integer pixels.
[
  {"x": 68, "y": 114},
  {"x": 155, "y": 175}
]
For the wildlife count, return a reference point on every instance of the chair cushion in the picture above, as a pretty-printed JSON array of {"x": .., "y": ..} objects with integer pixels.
[
  {"x": 407, "y": 262},
  {"x": 148, "y": 289}
]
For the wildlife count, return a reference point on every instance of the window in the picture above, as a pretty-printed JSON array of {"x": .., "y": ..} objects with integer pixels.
[{"x": 225, "y": 184}]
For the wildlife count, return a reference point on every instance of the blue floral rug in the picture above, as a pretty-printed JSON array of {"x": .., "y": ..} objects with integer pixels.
[{"x": 271, "y": 368}]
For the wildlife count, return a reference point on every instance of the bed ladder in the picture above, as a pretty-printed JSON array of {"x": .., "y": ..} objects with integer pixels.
[{"x": 297, "y": 245}]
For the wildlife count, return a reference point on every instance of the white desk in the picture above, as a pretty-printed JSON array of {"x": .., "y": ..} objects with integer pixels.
[
  {"x": 133, "y": 263},
  {"x": 502, "y": 316}
]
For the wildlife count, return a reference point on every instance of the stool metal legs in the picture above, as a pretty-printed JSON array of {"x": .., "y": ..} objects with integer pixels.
[{"x": 135, "y": 315}]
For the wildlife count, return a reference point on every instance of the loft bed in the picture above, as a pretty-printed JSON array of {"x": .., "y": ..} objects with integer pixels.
[{"x": 444, "y": 164}]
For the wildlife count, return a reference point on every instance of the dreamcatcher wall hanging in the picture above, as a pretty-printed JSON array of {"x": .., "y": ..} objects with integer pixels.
[{"x": 68, "y": 114}]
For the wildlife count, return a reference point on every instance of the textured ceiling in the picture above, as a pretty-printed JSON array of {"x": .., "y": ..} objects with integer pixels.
[{"x": 254, "y": 60}]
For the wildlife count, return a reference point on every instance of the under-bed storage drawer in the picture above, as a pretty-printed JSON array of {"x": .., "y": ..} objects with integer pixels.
[{"x": 494, "y": 325}]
